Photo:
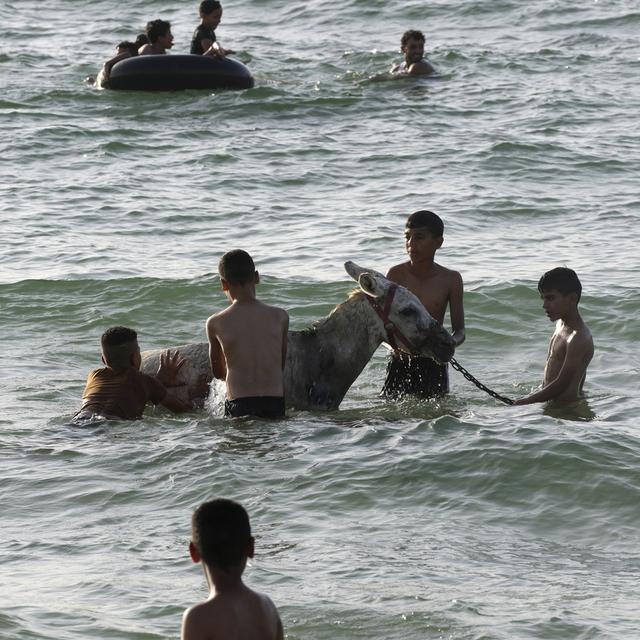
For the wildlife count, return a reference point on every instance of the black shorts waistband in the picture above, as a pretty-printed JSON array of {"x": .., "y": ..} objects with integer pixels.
[{"x": 259, "y": 406}]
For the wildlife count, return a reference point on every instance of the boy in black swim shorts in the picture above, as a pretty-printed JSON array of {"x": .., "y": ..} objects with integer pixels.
[{"x": 248, "y": 342}]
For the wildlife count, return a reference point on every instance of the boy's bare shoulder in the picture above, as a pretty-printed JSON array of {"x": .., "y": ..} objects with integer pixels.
[
  {"x": 399, "y": 272},
  {"x": 213, "y": 318},
  {"x": 197, "y": 621},
  {"x": 445, "y": 272},
  {"x": 205, "y": 621},
  {"x": 253, "y": 615},
  {"x": 278, "y": 312},
  {"x": 581, "y": 339}
]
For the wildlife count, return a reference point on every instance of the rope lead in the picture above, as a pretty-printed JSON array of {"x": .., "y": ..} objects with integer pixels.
[{"x": 470, "y": 378}]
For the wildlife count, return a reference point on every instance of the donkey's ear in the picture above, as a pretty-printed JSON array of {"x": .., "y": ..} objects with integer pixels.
[
  {"x": 353, "y": 269},
  {"x": 373, "y": 284}
]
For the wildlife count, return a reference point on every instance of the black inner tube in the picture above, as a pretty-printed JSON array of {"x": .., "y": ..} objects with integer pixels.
[{"x": 178, "y": 72}]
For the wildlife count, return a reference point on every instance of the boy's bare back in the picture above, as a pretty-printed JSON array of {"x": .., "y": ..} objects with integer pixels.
[
  {"x": 252, "y": 338},
  {"x": 241, "y": 614}
]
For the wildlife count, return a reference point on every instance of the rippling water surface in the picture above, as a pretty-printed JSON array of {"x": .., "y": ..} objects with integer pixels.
[{"x": 453, "y": 519}]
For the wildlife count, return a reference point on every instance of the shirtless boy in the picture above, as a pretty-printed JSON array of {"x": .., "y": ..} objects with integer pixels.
[
  {"x": 437, "y": 287},
  {"x": 248, "y": 343},
  {"x": 571, "y": 346},
  {"x": 160, "y": 38},
  {"x": 412, "y": 46},
  {"x": 119, "y": 390},
  {"x": 221, "y": 540},
  {"x": 204, "y": 40}
]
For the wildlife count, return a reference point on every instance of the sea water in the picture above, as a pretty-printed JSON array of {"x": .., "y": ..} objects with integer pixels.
[{"x": 459, "y": 518}]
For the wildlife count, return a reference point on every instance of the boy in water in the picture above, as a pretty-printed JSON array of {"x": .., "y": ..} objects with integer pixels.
[
  {"x": 221, "y": 539},
  {"x": 412, "y": 46},
  {"x": 120, "y": 389},
  {"x": 248, "y": 343},
  {"x": 124, "y": 50},
  {"x": 437, "y": 287},
  {"x": 571, "y": 346},
  {"x": 204, "y": 40},
  {"x": 160, "y": 38}
]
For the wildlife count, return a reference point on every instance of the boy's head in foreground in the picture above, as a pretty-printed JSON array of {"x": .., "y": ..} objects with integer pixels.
[
  {"x": 221, "y": 535},
  {"x": 237, "y": 268},
  {"x": 560, "y": 290},
  {"x": 120, "y": 348}
]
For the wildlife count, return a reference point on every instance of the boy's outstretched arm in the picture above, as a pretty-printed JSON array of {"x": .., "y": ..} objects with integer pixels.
[
  {"x": 456, "y": 309},
  {"x": 577, "y": 350}
]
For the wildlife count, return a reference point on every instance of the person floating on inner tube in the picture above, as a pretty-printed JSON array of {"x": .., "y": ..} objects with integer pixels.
[
  {"x": 124, "y": 49},
  {"x": 160, "y": 38},
  {"x": 204, "y": 42},
  {"x": 414, "y": 64}
]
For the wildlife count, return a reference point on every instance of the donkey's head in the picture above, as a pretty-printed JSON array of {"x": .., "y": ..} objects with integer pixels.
[{"x": 406, "y": 324}]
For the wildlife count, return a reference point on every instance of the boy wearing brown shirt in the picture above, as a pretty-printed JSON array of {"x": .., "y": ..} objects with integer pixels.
[{"x": 120, "y": 390}]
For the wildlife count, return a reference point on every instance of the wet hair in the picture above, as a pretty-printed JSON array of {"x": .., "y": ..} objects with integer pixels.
[
  {"x": 209, "y": 6},
  {"x": 118, "y": 345},
  {"x": 220, "y": 531},
  {"x": 561, "y": 279},
  {"x": 411, "y": 34},
  {"x": 236, "y": 267},
  {"x": 428, "y": 220},
  {"x": 141, "y": 40},
  {"x": 131, "y": 47},
  {"x": 157, "y": 28}
]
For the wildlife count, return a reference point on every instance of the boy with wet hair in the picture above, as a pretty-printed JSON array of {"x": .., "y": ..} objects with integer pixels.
[
  {"x": 437, "y": 288},
  {"x": 248, "y": 343},
  {"x": 412, "y": 46},
  {"x": 160, "y": 38},
  {"x": 120, "y": 390},
  {"x": 124, "y": 50},
  {"x": 571, "y": 345},
  {"x": 221, "y": 540},
  {"x": 204, "y": 40}
]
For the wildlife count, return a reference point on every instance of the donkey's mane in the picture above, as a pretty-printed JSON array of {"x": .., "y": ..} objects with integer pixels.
[{"x": 320, "y": 322}]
